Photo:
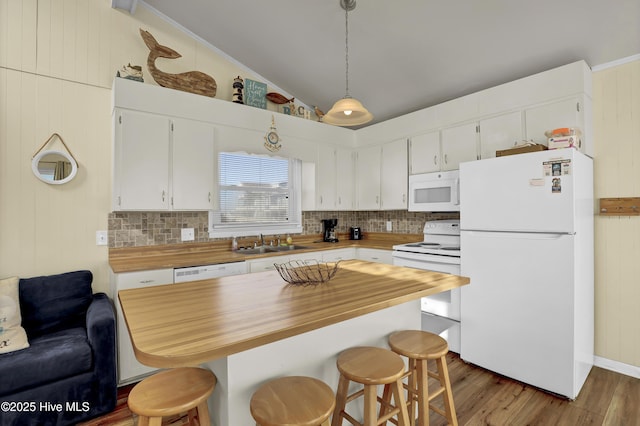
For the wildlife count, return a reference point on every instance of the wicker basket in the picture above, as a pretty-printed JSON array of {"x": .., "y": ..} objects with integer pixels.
[{"x": 306, "y": 272}]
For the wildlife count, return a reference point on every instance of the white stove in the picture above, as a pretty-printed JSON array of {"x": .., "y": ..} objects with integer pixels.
[{"x": 439, "y": 252}]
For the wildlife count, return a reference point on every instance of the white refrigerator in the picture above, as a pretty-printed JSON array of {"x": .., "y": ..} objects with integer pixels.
[{"x": 527, "y": 245}]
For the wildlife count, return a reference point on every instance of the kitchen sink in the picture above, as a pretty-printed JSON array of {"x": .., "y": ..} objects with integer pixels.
[{"x": 271, "y": 249}]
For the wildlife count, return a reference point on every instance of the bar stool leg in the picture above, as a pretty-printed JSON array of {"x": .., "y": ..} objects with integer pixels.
[
  {"x": 341, "y": 401},
  {"x": 370, "y": 406},
  {"x": 422, "y": 390},
  {"x": 398, "y": 397},
  {"x": 443, "y": 373}
]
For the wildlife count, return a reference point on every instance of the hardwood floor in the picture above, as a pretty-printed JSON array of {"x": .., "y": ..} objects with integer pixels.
[{"x": 484, "y": 398}]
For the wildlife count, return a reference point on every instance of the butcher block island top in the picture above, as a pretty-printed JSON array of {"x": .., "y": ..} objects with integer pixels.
[{"x": 192, "y": 323}]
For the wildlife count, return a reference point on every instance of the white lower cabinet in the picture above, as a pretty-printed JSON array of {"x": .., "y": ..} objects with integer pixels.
[
  {"x": 129, "y": 368},
  {"x": 266, "y": 263},
  {"x": 375, "y": 255},
  {"x": 338, "y": 254}
]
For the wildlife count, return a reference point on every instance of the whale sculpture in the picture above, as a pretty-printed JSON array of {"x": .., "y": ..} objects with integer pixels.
[{"x": 191, "y": 81}]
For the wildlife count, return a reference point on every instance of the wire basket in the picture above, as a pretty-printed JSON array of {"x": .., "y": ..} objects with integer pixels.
[{"x": 307, "y": 272}]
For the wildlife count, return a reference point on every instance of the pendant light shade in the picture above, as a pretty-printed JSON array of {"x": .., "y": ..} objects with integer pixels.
[{"x": 347, "y": 111}]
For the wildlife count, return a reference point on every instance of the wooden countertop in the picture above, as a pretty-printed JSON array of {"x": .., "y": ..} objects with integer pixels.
[
  {"x": 191, "y": 323},
  {"x": 131, "y": 259}
]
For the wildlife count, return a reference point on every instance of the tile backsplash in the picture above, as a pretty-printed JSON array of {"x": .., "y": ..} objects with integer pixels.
[{"x": 135, "y": 229}]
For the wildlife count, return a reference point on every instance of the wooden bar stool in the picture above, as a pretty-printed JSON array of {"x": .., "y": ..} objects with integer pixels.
[
  {"x": 293, "y": 401},
  {"x": 419, "y": 347},
  {"x": 371, "y": 366},
  {"x": 171, "y": 392}
]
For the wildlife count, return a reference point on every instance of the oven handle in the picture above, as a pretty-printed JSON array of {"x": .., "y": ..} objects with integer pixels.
[
  {"x": 456, "y": 192},
  {"x": 427, "y": 258}
]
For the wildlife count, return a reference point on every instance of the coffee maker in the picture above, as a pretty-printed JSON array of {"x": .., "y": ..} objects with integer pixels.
[{"x": 329, "y": 233}]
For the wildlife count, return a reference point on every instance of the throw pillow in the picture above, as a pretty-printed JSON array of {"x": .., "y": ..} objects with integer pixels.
[{"x": 12, "y": 335}]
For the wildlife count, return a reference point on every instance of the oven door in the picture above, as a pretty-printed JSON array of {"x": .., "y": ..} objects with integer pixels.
[{"x": 445, "y": 304}]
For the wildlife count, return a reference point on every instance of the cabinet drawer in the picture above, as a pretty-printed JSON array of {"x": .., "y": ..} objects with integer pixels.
[{"x": 144, "y": 278}]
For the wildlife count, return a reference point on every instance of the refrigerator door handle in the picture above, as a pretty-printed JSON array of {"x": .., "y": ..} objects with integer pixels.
[{"x": 519, "y": 235}]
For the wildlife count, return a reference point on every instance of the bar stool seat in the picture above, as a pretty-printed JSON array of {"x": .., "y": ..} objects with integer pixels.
[
  {"x": 419, "y": 347},
  {"x": 370, "y": 366},
  {"x": 294, "y": 400},
  {"x": 171, "y": 392}
]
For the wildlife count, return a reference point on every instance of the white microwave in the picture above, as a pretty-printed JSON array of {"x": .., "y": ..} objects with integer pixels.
[{"x": 435, "y": 192}]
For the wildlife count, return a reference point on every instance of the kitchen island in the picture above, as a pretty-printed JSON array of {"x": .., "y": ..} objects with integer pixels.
[{"x": 250, "y": 328}]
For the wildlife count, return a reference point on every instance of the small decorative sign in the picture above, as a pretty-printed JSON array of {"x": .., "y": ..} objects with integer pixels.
[{"x": 255, "y": 93}]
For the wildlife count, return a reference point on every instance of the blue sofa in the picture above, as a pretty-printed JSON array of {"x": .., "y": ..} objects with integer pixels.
[{"x": 68, "y": 373}]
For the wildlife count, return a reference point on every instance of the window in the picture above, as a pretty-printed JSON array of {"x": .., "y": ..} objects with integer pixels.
[{"x": 256, "y": 194}]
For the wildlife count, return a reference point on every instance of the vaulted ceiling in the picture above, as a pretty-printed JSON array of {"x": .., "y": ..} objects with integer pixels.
[{"x": 406, "y": 55}]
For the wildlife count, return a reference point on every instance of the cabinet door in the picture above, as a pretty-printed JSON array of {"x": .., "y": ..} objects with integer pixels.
[
  {"x": 129, "y": 368},
  {"x": 339, "y": 254},
  {"x": 326, "y": 178},
  {"x": 501, "y": 132},
  {"x": 565, "y": 113},
  {"x": 424, "y": 153},
  {"x": 395, "y": 175},
  {"x": 141, "y": 157},
  {"x": 265, "y": 264},
  {"x": 345, "y": 199},
  {"x": 192, "y": 161},
  {"x": 368, "y": 178},
  {"x": 459, "y": 144},
  {"x": 375, "y": 255}
]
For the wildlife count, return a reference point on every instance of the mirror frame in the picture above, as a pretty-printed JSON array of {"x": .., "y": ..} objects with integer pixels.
[{"x": 41, "y": 154}]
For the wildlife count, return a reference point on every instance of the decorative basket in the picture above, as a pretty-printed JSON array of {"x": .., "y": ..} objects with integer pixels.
[{"x": 306, "y": 272}]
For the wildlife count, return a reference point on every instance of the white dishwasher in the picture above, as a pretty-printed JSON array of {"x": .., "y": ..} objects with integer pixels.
[{"x": 194, "y": 273}]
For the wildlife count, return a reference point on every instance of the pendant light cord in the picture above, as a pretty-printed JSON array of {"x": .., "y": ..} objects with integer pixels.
[{"x": 346, "y": 49}]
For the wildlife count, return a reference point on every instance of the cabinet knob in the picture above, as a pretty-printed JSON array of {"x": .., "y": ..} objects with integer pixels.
[
  {"x": 209, "y": 196},
  {"x": 162, "y": 196},
  {"x": 435, "y": 160},
  {"x": 446, "y": 160}
]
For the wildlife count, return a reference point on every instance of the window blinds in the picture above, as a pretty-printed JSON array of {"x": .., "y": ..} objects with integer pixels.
[{"x": 253, "y": 189}]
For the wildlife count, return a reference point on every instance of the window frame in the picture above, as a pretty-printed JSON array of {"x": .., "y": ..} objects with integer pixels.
[{"x": 294, "y": 224}]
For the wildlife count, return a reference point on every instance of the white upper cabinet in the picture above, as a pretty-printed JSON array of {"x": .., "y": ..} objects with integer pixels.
[
  {"x": 162, "y": 163},
  {"x": 564, "y": 113},
  {"x": 459, "y": 144},
  {"x": 424, "y": 153},
  {"x": 193, "y": 159},
  {"x": 326, "y": 178},
  {"x": 335, "y": 184},
  {"x": 141, "y": 161},
  {"x": 500, "y": 132},
  {"x": 368, "y": 177},
  {"x": 345, "y": 179},
  {"x": 394, "y": 180},
  {"x": 382, "y": 176}
]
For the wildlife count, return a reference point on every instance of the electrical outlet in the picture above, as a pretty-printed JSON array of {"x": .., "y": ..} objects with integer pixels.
[
  {"x": 101, "y": 238},
  {"x": 187, "y": 234},
  {"x": 389, "y": 226}
]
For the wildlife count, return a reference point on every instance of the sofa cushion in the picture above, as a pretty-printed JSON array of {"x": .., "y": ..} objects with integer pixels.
[
  {"x": 50, "y": 357},
  {"x": 55, "y": 302},
  {"x": 12, "y": 335}
]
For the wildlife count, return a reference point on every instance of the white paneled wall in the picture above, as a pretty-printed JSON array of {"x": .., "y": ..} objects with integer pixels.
[
  {"x": 616, "y": 121},
  {"x": 58, "y": 59}
]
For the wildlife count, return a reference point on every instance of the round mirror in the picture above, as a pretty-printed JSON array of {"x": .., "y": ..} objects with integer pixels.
[{"x": 54, "y": 167}]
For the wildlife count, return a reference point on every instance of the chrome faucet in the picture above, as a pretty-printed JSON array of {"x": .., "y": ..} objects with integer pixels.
[{"x": 261, "y": 240}]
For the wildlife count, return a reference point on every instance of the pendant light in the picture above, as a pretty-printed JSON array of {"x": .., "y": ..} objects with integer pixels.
[{"x": 347, "y": 111}]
